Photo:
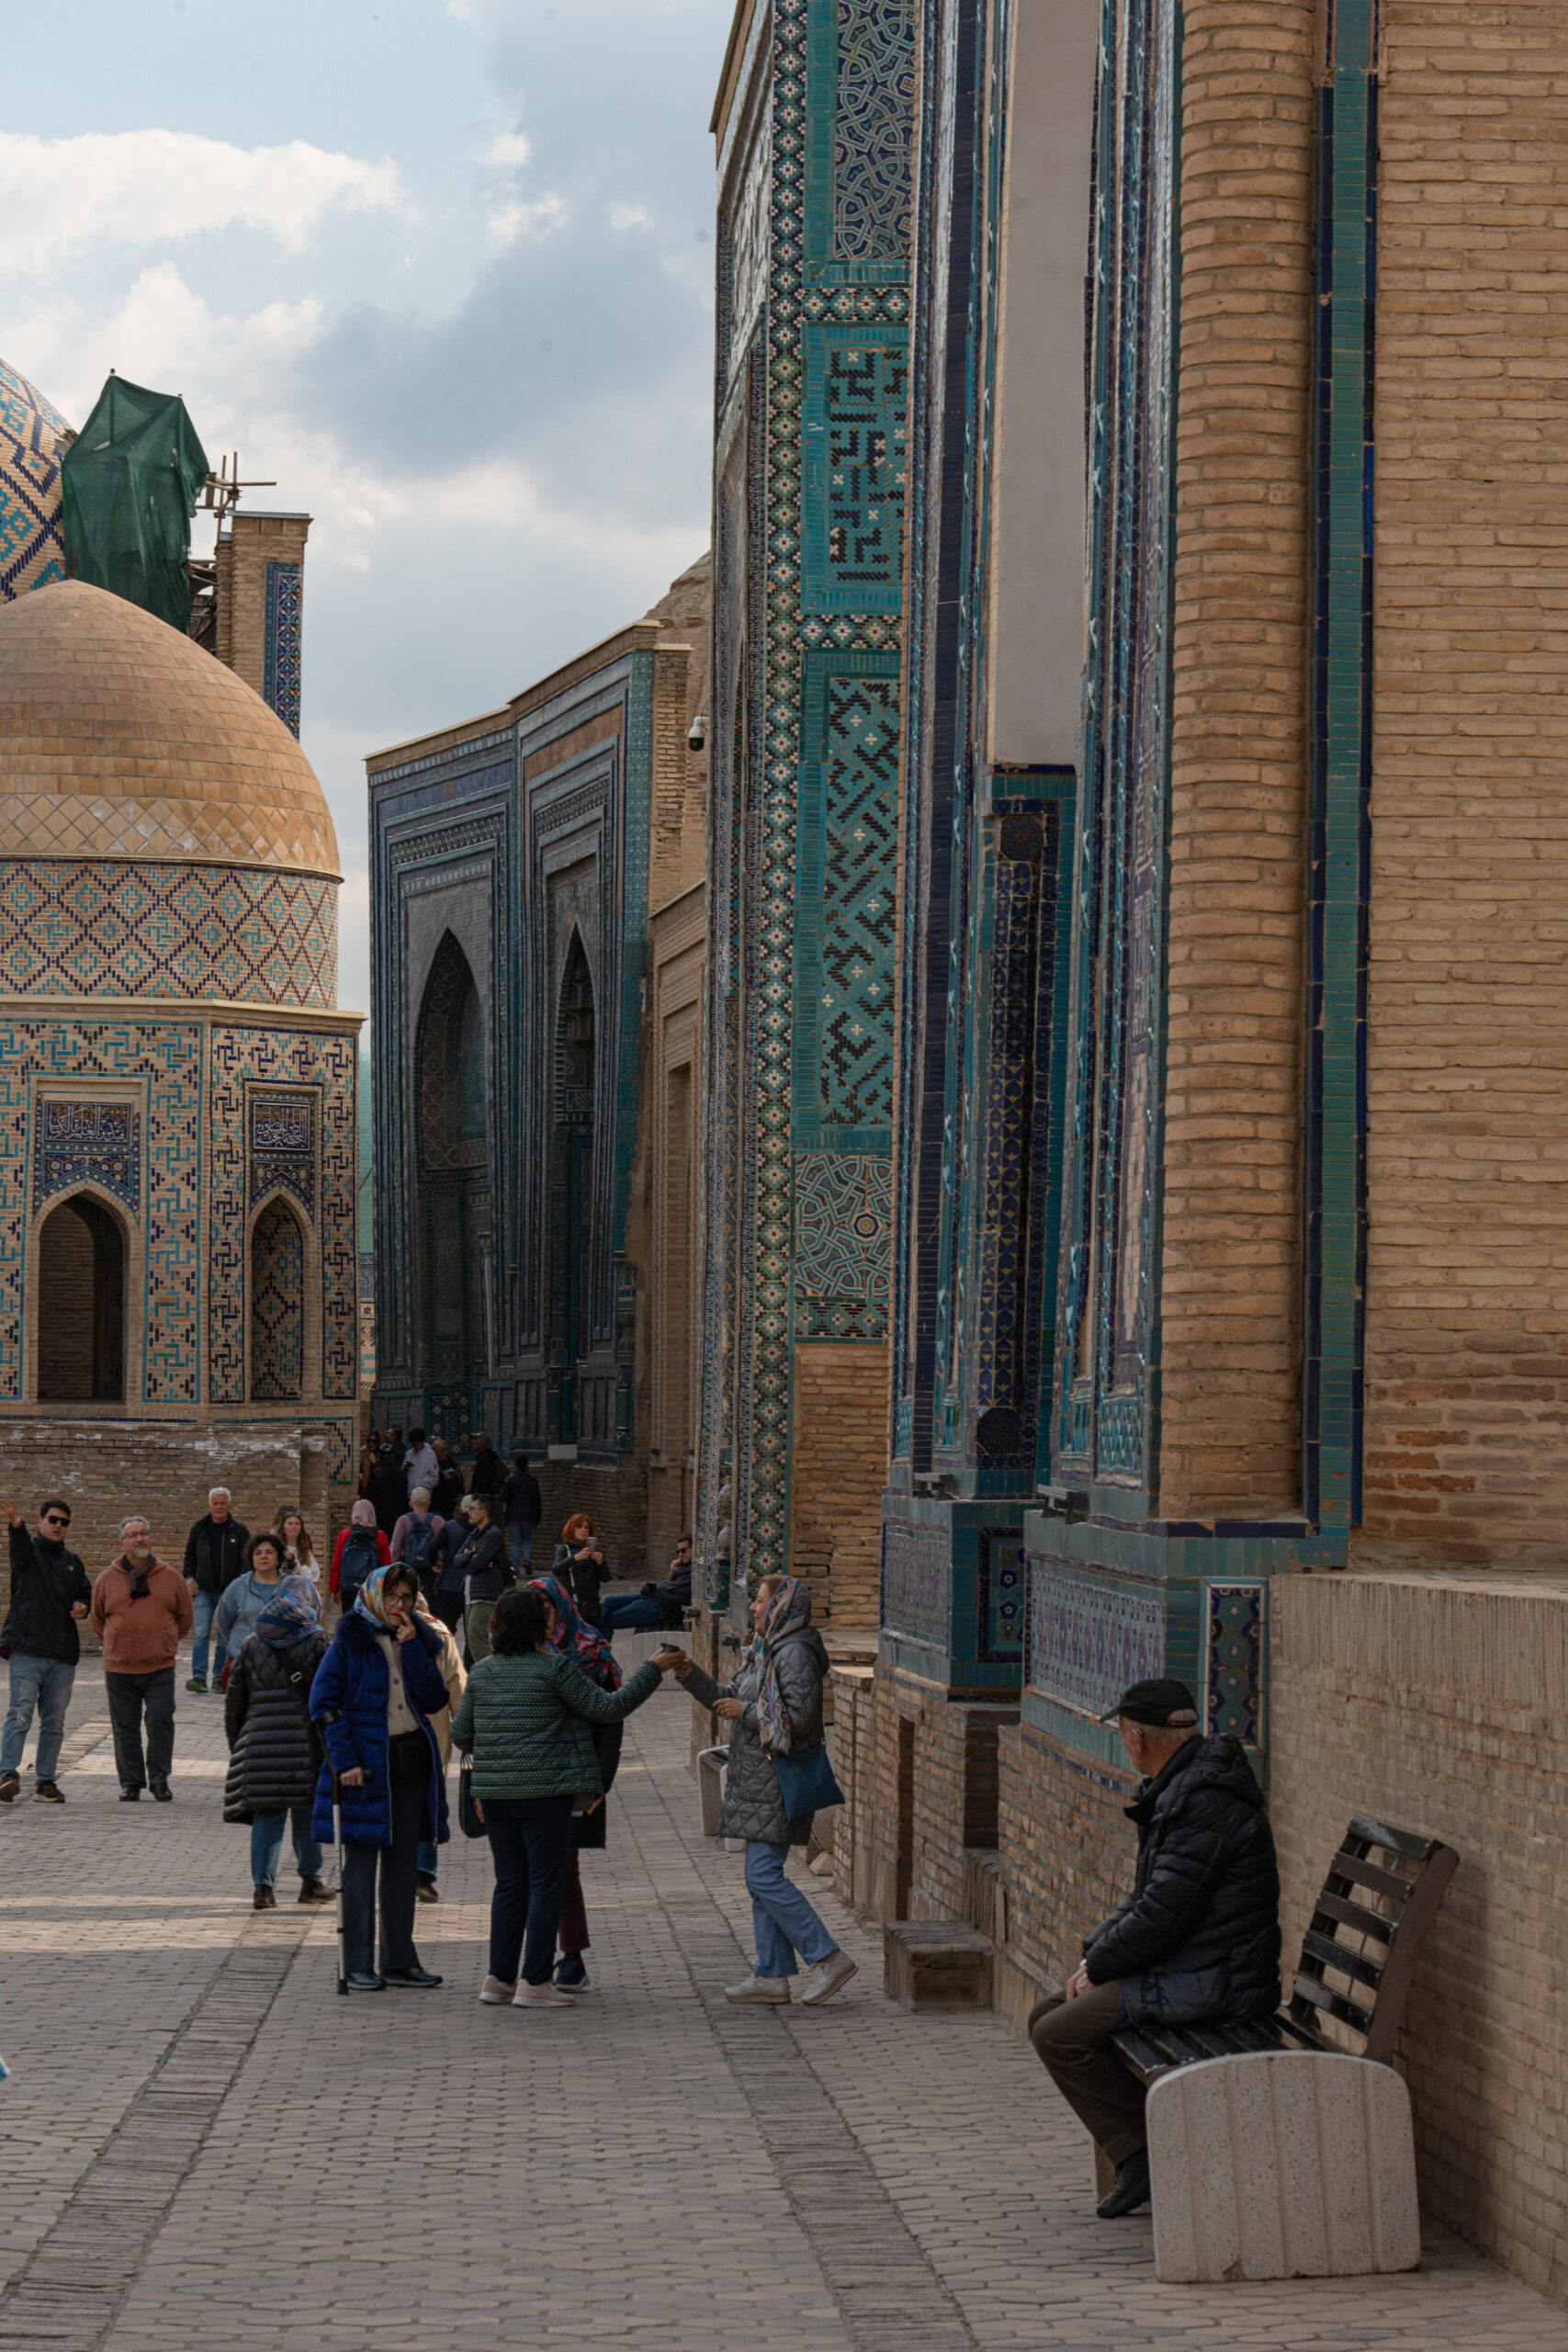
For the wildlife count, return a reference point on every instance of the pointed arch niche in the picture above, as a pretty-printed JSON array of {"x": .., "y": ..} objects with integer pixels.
[
  {"x": 568, "y": 1265},
  {"x": 277, "y": 1296},
  {"x": 82, "y": 1264},
  {"x": 452, "y": 1146}
]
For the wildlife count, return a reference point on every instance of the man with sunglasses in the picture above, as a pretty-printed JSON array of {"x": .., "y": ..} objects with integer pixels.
[{"x": 50, "y": 1592}]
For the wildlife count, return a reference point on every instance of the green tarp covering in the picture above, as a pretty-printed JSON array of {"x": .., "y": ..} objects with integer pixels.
[{"x": 129, "y": 483}]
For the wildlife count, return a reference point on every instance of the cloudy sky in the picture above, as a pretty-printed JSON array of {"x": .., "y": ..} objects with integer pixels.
[{"x": 443, "y": 267}]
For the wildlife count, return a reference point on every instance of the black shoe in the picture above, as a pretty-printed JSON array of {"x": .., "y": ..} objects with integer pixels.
[
  {"x": 358, "y": 1983},
  {"x": 46, "y": 1792},
  {"x": 10, "y": 1787},
  {"x": 163, "y": 1794},
  {"x": 1132, "y": 2188},
  {"x": 314, "y": 1889},
  {"x": 426, "y": 1892},
  {"x": 131, "y": 1793},
  {"x": 264, "y": 1899},
  {"x": 413, "y": 1979}
]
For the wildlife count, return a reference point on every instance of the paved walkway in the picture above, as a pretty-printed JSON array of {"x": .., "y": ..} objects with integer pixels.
[{"x": 205, "y": 2146}]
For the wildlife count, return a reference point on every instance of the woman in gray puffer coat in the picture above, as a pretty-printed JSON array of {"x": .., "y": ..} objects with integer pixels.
[
  {"x": 775, "y": 1704},
  {"x": 275, "y": 1752}
]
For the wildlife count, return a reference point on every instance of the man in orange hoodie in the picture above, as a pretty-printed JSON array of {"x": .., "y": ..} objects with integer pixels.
[{"x": 142, "y": 1610}]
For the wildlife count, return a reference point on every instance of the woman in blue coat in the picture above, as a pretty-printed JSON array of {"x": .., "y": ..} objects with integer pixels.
[{"x": 373, "y": 1696}]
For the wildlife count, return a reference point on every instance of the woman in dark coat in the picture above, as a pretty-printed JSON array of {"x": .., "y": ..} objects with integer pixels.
[
  {"x": 592, "y": 1656},
  {"x": 580, "y": 1565},
  {"x": 374, "y": 1694},
  {"x": 275, "y": 1753}
]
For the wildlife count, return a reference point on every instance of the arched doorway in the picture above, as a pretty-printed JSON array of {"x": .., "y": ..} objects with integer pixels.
[
  {"x": 571, "y": 1267},
  {"x": 277, "y": 1305},
  {"x": 452, "y": 1136},
  {"x": 81, "y": 1317}
]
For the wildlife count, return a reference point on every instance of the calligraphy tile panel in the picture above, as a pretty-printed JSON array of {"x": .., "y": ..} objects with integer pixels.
[{"x": 82, "y": 1143}]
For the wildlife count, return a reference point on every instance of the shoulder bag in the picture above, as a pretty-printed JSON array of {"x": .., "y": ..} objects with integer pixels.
[
  {"x": 471, "y": 1821},
  {"x": 807, "y": 1782}
]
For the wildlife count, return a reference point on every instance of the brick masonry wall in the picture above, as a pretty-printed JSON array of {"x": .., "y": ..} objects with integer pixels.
[
  {"x": 1467, "y": 1283},
  {"x": 253, "y": 542},
  {"x": 839, "y": 1465},
  {"x": 1438, "y": 1704},
  {"x": 942, "y": 1802},
  {"x": 616, "y": 1499},
  {"x": 106, "y": 1469},
  {"x": 1067, "y": 1852},
  {"x": 1231, "y": 1248}
]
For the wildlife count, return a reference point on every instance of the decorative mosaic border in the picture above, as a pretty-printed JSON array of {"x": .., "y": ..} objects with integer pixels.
[
  {"x": 116, "y": 928},
  {"x": 282, "y": 633}
]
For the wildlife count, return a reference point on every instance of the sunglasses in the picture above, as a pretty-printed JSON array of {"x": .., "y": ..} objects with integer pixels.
[{"x": 55, "y": 1518}]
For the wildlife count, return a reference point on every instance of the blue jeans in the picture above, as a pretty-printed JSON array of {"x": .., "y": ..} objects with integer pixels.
[
  {"x": 520, "y": 1544},
  {"x": 637, "y": 1615},
  {"x": 530, "y": 1844},
  {"x": 205, "y": 1604},
  {"x": 425, "y": 1859},
  {"x": 44, "y": 1683},
  {"x": 782, "y": 1920},
  {"x": 266, "y": 1845}
]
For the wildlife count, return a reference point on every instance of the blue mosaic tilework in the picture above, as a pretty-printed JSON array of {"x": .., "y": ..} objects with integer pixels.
[
  {"x": 1002, "y": 1577},
  {"x": 78, "y": 1143},
  {"x": 281, "y": 624},
  {"x": 859, "y": 135},
  {"x": 856, "y": 472},
  {"x": 1089, "y": 1639},
  {"x": 264, "y": 1058},
  {"x": 277, "y": 1305},
  {"x": 32, "y": 551},
  {"x": 915, "y": 1583},
  {"x": 1235, "y": 1625},
  {"x": 283, "y": 1145},
  {"x": 843, "y": 1211},
  {"x": 111, "y": 928},
  {"x": 167, "y": 1058}
]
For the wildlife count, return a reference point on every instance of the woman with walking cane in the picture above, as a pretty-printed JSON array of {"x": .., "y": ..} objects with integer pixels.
[{"x": 374, "y": 1694}]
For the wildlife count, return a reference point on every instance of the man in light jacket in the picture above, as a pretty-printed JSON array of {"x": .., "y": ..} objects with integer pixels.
[
  {"x": 142, "y": 1611},
  {"x": 51, "y": 1591}
]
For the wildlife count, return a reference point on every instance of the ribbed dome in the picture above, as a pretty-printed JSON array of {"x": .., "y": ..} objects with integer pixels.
[{"x": 120, "y": 739}]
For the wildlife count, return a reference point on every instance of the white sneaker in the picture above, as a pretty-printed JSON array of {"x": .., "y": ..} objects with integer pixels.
[
  {"x": 541, "y": 1996},
  {"x": 496, "y": 1991},
  {"x": 822, "y": 1982},
  {"x": 759, "y": 1988}
]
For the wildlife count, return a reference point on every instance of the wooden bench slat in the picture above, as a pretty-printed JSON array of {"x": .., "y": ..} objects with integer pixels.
[
  {"x": 1301, "y": 2030},
  {"x": 1348, "y": 2012},
  {"x": 1397, "y": 1841},
  {"x": 1362, "y": 1873},
  {"x": 1138, "y": 2054},
  {"x": 1340, "y": 1956},
  {"x": 1357, "y": 1915}
]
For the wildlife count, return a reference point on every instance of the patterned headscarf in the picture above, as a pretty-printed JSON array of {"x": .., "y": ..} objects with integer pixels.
[
  {"x": 371, "y": 1604},
  {"x": 364, "y": 1512},
  {"x": 788, "y": 1610},
  {"x": 287, "y": 1620},
  {"x": 576, "y": 1640}
]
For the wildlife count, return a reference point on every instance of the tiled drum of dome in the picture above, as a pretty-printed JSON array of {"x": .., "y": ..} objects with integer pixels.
[
  {"x": 32, "y": 551},
  {"x": 107, "y": 928}
]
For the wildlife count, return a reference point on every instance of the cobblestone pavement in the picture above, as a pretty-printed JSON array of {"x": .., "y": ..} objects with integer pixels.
[{"x": 205, "y": 2146}]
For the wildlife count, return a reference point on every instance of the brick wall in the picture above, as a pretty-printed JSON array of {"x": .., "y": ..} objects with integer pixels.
[
  {"x": 1067, "y": 1852},
  {"x": 252, "y": 542},
  {"x": 669, "y": 1167},
  {"x": 106, "y": 1469},
  {"x": 1438, "y": 1704},
  {"x": 1230, "y": 1319},
  {"x": 839, "y": 1465},
  {"x": 1467, "y": 1290},
  {"x": 925, "y": 1764}
]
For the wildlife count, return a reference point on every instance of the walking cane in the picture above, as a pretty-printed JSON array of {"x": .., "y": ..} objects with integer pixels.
[{"x": 331, "y": 1717}]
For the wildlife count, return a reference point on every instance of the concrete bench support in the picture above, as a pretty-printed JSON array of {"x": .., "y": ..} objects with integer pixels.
[
  {"x": 1282, "y": 2165},
  {"x": 936, "y": 1964},
  {"x": 712, "y": 1763}
]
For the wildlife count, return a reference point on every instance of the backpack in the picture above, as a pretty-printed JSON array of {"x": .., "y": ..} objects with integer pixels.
[
  {"x": 420, "y": 1545},
  {"x": 359, "y": 1560}
]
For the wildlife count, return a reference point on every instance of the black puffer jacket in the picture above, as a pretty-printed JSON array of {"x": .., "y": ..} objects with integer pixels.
[
  {"x": 276, "y": 1754},
  {"x": 1198, "y": 1936}
]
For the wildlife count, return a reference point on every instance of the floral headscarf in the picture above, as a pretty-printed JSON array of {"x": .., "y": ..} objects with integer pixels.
[
  {"x": 788, "y": 1610},
  {"x": 371, "y": 1604},
  {"x": 576, "y": 1640},
  {"x": 287, "y": 1620}
]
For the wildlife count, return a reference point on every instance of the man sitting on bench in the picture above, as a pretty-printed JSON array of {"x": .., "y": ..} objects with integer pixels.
[{"x": 1196, "y": 1942}]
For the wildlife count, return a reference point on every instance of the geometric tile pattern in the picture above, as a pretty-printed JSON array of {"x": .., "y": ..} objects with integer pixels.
[
  {"x": 1088, "y": 1639},
  {"x": 844, "y": 1212},
  {"x": 79, "y": 1143},
  {"x": 859, "y": 902},
  {"x": 917, "y": 1583},
  {"x": 237, "y": 934},
  {"x": 1002, "y": 1576},
  {"x": 277, "y": 1305},
  {"x": 280, "y": 641},
  {"x": 283, "y": 1148},
  {"x": 32, "y": 551},
  {"x": 856, "y": 439},
  {"x": 874, "y": 130},
  {"x": 166, "y": 1056},
  {"x": 1235, "y": 1622},
  {"x": 265, "y": 1059}
]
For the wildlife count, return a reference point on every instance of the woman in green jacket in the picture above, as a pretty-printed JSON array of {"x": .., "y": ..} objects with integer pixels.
[{"x": 525, "y": 1715}]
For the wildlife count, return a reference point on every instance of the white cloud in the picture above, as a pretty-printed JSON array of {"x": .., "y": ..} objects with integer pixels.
[
  {"x": 509, "y": 149},
  {"x": 145, "y": 188},
  {"x": 630, "y": 216},
  {"x": 540, "y": 218}
]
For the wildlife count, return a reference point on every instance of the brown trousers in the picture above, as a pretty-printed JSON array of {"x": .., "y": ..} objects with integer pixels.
[{"x": 1070, "y": 2039}]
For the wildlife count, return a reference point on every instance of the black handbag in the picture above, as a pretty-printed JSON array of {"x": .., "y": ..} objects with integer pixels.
[{"x": 469, "y": 1820}]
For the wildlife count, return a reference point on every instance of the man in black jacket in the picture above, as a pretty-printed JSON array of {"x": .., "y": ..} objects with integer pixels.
[
  {"x": 485, "y": 1477},
  {"x": 663, "y": 1606},
  {"x": 215, "y": 1555},
  {"x": 50, "y": 1592},
  {"x": 1198, "y": 1939}
]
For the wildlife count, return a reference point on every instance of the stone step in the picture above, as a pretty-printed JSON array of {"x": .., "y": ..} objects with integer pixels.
[{"x": 936, "y": 1964}]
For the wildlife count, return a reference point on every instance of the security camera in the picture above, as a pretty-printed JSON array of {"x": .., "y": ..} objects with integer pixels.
[{"x": 697, "y": 733}]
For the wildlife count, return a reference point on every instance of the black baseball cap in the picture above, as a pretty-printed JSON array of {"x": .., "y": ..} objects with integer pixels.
[{"x": 1165, "y": 1704}]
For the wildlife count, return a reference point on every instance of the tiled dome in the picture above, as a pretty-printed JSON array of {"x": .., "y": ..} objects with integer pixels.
[
  {"x": 33, "y": 437},
  {"x": 120, "y": 739}
]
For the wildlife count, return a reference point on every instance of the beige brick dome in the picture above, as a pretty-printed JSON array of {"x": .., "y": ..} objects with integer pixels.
[{"x": 120, "y": 739}]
